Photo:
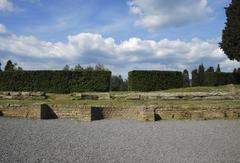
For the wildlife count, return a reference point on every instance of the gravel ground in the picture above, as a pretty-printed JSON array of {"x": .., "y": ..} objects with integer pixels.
[{"x": 118, "y": 141}]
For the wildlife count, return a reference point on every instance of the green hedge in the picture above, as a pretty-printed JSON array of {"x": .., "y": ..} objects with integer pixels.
[
  {"x": 154, "y": 80},
  {"x": 55, "y": 81}
]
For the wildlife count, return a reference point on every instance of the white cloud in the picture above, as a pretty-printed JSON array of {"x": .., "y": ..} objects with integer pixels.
[
  {"x": 155, "y": 14},
  {"x": 134, "y": 53},
  {"x": 6, "y": 5},
  {"x": 2, "y": 28}
]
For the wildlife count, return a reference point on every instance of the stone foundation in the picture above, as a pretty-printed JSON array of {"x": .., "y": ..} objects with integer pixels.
[
  {"x": 23, "y": 95},
  {"x": 157, "y": 95},
  {"x": 91, "y": 113}
]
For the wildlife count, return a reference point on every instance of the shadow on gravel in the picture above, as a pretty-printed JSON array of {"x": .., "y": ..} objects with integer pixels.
[
  {"x": 47, "y": 112},
  {"x": 97, "y": 113},
  {"x": 1, "y": 114}
]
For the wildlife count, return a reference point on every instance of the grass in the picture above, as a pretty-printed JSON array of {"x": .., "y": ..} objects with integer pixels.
[
  {"x": 65, "y": 99},
  {"x": 204, "y": 89}
]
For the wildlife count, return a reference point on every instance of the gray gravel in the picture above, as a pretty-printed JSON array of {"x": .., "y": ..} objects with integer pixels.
[{"x": 118, "y": 141}]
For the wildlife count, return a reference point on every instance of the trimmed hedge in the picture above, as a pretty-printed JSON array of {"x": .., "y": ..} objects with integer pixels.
[
  {"x": 55, "y": 81},
  {"x": 154, "y": 80}
]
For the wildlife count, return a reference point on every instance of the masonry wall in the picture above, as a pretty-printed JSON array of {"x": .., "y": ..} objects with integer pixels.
[
  {"x": 89, "y": 113},
  {"x": 20, "y": 111}
]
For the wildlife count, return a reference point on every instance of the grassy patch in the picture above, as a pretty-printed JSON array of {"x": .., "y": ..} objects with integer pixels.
[{"x": 65, "y": 99}]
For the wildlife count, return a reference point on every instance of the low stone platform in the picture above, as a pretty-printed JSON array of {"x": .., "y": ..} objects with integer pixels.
[
  {"x": 157, "y": 96},
  {"x": 23, "y": 95}
]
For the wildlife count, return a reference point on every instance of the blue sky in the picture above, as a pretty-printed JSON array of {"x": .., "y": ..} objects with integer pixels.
[{"x": 121, "y": 34}]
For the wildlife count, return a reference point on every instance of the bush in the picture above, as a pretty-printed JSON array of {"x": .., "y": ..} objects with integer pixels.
[
  {"x": 154, "y": 80},
  {"x": 55, "y": 81}
]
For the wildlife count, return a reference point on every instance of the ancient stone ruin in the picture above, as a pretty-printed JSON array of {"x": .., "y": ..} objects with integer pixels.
[{"x": 23, "y": 95}]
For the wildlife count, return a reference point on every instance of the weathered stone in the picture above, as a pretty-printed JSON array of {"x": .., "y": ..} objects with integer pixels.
[
  {"x": 232, "y": 114},
  {"x": 6, "y": 93},
  {"x": 133, "y": 97},
  {"x": 148, "y": 114},
  {"x": 213, "y": 115},
  {"x": 197, "y": 115},
  {"x": 25, "y": 94},
  {"x": 38, "y": 93},
  {"x": 7, "y": 97},
  {"x": 15, "y": 94}
]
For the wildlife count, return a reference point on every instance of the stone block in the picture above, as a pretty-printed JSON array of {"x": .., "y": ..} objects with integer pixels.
[
  {"x": 196, "y": 115},
  {"x": 133, "y": 97},
  {"x": 232, "y": 114},
  {"x": 147, "y": 114},
  {"x": 213, "y": 115}
]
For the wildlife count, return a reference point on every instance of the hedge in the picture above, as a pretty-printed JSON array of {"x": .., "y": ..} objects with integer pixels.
[
  {"x": 55, "y": 81},
  {"x": 154, "y": 80}
]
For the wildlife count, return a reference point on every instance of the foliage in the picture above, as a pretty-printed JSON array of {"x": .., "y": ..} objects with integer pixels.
[
  {"x": 218, "y": 68},
  {"x": 78, "y": 67},
  {"x": 195, "y": 78},
  {"x": 154, "y": 80},
  {"x": 210, "y": 69},
  {"x": 100, "y": 67},
  {"x": 231, "y": 34},
  {"x": 12, "y": 66},
  {"x": 66, "y": 68},
  {"x": 201, "y": 71},
  {"x": 185, "y": 78},
  {"x": 118, "y": 84},
  {"x": 211, "y": 78},
  {"x": 55, "y": 81}
]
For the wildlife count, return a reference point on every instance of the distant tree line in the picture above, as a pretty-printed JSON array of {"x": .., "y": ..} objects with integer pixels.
[
  {"x": 211, "y": 77},
  {"x": 10, "y": 66}
]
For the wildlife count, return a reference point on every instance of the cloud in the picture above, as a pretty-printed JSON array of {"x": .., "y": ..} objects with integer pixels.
[
  {"x": 2, "y": 29},
  {"x": 6, "y": 5},
  {"x": 154, "y": 14},
  {"x": 134, "y": 53}
]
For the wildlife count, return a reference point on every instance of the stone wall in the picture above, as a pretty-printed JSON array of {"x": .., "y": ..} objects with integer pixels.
[
  {"x": 20, "y": 111},
  {"x": 91, "y": 113},
  {"x": 79, "y": 112},
  {"x": 197, "y": 114}
]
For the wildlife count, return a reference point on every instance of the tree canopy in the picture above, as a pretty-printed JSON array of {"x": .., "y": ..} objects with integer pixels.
[{"x": 231, "y": 34}]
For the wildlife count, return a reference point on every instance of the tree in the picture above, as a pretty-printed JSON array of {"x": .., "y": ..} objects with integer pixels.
[
  {"x": 218, "y": 68},
  {"x": 201, "y": 71},
  {"x": 186, "y": 78},
  {"x": 231, "y": 34},
  {"x": 100, "y": 67},
  {"x": 117, "y": 83},
  {"x": 66, "y": 68},
  {"x": 78, "y": 67},
  {"x": 195, "y": 78},
  {"x": 89, "y": 68},
  {"x": 235, "y": 70},
  {"x": 0, "y": 67},
  {"x": 209, "y": 77},
  {"x": 9, "y": 66},
  {"x": 12, "y": 66},
  {"x": 210, "y": 70}
]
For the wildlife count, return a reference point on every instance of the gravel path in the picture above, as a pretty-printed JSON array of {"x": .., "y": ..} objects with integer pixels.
[{"x": 118, "y": 141}]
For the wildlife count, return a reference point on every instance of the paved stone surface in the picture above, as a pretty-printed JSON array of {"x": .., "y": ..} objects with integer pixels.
[{"x": 118, "y": 141}]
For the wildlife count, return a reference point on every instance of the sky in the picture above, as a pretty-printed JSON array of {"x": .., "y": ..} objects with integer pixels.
[{"x": 123, "y": 35}]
